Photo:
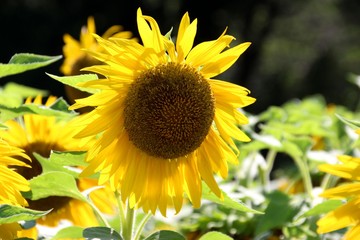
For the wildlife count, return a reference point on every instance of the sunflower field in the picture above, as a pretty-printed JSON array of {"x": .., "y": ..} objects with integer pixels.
[{"x": 152, "y": 142}]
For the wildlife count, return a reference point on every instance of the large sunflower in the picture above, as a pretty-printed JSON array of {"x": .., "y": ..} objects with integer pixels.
[
  {"x": 348, "y": 215},
  {"x": 165, "y": 124},
  {"x": 42, "y": 134},
  {"x": 12, "y": 184}
]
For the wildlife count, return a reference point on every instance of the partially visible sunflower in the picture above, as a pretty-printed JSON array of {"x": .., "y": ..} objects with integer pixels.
[
  {"x": 42, "y": 134},
  {"x": 12, "y": 184},
  {"x": 10, "y": 230},
  {"x": 76, "y": 58},
  {"x": 165, "y": 124},
  {"x": 348, "y": 215}
]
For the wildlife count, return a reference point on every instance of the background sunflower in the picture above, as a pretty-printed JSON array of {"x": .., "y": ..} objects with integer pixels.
[
  {"x": 75, "y": 58},
  {"x": 40, "y": 134},
  {"x": 12, "y": 185}
]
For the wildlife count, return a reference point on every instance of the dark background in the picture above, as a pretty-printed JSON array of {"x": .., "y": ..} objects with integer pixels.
[{"x": 299, "y": 48}]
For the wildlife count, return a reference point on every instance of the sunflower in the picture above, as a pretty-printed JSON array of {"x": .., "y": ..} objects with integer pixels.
[
  {"x": 10, "y": 230},
  {"x": 165, "y": 124},
  {"x": 12, "y": 185},
  {"x": 76, "y": 59},
  {"x": 347, "y": 215},
  {"x": 42, "y": 134}
]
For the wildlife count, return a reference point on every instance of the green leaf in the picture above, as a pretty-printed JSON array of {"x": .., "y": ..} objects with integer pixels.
[
  {"x": 61, "y": 105},
  {"x": 23, "y": 91},
  {"x": 277, "y": 214},
  {"x": 11, "y": 99},
  {"x": 273, "y": 113},
  {"x": 73, "y": 81},
  {"x": 292, "y": 149},
  {"x": 13, "y": 94},
  {"x": 351, "y": 123},
  {"x": 61, "y": 161},
  {"x": 323, "y": 207},
  {"x": 165, "y": 235},
  {"x": 48, "y": 165},
  {"x": 10, "y": 214},
  {"x": 227, "y": 201},
  {"x": 215, "y": 236},
  {"x": 101, "y": 233},
  {"x": 72, "y": 158},
  {"x": 7, "y": 113},
  {"x": 254, "y": 145},
  {"x": 304, "y": 143},
  {"x": 22, "y": 62},
  {"x": 54, "y": 184},
  {"x": 73, "y": 232}
]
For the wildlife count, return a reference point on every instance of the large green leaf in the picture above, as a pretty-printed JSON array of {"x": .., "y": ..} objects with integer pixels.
[
  {"x": 227, "y": 201},
  {"x": 9, "y": 214},
  {"x": 13, "y": 94},
  {"x": 57, "y": 109},
  {"x": 49, "y": 165},
  {"x": 72, "y": 158},
  {"x": 54, "y": 184},
  {"x": 22, "y": 90},
  {"x": 277, "y": 214},
  {"x": 73, "y": 81},
  {"x": 22, "y": 62}
]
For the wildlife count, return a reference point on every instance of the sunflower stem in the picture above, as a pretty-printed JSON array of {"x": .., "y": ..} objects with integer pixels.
[
  {"x": 328, "y": 181},
  {"x": 101, "y": 217},
  {"x": 121, "y": 210},
  {"x": 270, "y": 159},
  {"x": 305, "y": 174},
  {"x": 127, "y": 226},
  {"x": 141, "y": 226}
]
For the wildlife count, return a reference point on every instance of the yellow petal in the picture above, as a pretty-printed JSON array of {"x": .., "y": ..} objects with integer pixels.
[
  {"x": 230, "y": 93},
  {"x": 341, "y": 217},
  {"x": 204, "y": 52},
  {"x": 185, "y": 37},
  {"x": 193, "y": 186},
  {"x": 341, "y": 170},
  {"x": 151, "y": 37},
  {"x": 353, "y": 233},
  {"x": 220, "y": 63},
  {"x": 207, "y": 174},
  {"x": 343, "y": 191}
]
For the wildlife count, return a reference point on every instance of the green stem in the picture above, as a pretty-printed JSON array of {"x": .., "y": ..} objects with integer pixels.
[
  {"x": 141, "y": 226},
  {"x": 305, "y": 174},
  {"x": 102, "y": 219},
  {"x": 248, "y": 180},
  {"x": 328, "y": 181},
  {"x": 127, "y": 226},
  {"x": 270, "y": 159},
  {"x": 121, "y": 210}
]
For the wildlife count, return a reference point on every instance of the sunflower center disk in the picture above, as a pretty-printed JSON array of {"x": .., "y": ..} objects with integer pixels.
[{"x": 169, "y": 110}]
